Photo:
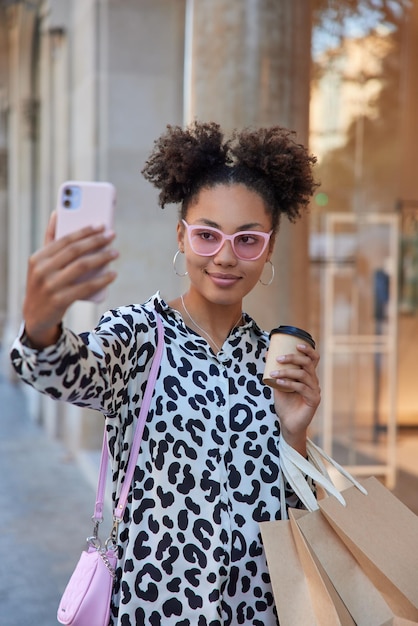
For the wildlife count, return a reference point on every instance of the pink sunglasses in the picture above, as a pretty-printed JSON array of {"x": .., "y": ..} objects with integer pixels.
[{"x": 247, "y": 245}]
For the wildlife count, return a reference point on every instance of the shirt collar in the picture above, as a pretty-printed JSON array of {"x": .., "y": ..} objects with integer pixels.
[{"x": 157, "y": 302}]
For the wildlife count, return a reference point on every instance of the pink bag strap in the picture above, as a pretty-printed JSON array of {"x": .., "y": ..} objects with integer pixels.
[{"x": 143, "y": 414}]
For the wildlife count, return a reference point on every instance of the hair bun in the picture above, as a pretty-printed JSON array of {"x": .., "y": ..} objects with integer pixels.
[{"x": 182, "y": 156}]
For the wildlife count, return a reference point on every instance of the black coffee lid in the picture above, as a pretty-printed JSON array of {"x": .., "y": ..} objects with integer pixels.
[{"x": 297, "y": 332}]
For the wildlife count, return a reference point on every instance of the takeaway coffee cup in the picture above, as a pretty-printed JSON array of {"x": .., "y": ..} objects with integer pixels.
[{"x": 283, "y": 340}]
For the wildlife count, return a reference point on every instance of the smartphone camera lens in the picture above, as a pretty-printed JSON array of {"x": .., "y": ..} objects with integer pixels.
[{"x": 71, "y": 197}]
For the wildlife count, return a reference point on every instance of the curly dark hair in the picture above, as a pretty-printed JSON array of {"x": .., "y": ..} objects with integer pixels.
[{"x": 265, "y": 160}]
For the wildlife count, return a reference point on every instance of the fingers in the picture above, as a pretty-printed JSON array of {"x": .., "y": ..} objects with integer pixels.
[
  {"x": 71, "y": 249},
  {"x": 72, "y": 259},
  {"x": 50, "y": 229},
  {"x": 297, "y": 372},
  {"x": 81, "y": 279},
  {"x": 56, "y": 269},
  {"x": 306, "y": 358},
  {"x": 80, "y": 242},
  {"x": 61, "y": 297}
]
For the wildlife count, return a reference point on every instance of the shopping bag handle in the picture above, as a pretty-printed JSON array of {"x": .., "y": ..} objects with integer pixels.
[{"x": 295, "y": 469}]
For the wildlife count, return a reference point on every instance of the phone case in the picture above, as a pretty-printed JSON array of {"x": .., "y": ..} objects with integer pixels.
[{"x": 83, "y": 203}]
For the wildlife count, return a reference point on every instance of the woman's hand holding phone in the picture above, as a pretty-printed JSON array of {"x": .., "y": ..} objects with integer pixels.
[{"x": 69, "y": 268}]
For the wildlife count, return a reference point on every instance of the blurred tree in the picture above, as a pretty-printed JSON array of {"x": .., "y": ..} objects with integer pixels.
[
  {"x": 332, "y": 15},
  {"x": 363, "y": 173}
]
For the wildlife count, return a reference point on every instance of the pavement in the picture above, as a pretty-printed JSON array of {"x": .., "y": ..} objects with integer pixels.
[{"x": 46, "y": 505}]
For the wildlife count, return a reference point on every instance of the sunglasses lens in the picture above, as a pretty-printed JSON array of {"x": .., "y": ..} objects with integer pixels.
[
  {"x": 248, "y": 246},
  {"x": 208, "y": 242}
]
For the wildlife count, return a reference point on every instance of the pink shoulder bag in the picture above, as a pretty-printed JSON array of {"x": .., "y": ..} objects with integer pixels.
[{"x": 86, "y": 599}]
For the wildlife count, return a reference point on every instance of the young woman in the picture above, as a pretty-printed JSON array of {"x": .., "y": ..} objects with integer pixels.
[{"x": 208, "y": 470}]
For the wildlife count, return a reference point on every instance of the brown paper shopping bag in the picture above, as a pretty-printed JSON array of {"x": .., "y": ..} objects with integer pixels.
[
  {"x": 399, "y": 621},
  {"x": 364, "y": 602},
  {"x": 290, "y": 587},
  {"x": 328, "y": 605},
  {"x": 382, "y": 534},
  {"x": 300, "y": 599}
]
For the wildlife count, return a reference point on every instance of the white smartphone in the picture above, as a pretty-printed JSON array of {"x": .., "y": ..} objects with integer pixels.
[{"x": 83, "y": 203}]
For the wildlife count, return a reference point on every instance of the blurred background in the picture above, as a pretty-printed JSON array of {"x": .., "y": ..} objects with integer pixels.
[{"x": 86, "y": 86}]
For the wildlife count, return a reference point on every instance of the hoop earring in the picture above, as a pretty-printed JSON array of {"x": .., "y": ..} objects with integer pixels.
[
  {"x": 174, "y": 265},
  {"x": 272, "y": 275}
]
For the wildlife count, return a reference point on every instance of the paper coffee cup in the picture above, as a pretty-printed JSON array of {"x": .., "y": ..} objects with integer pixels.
[{"x": 283, "y": 340}]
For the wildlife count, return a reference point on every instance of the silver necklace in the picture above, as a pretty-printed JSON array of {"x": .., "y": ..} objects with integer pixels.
[{"x": 202, "y": 329}]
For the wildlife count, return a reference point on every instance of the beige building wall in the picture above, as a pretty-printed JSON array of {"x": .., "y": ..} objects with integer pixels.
[{"x": 106, "y": 77}]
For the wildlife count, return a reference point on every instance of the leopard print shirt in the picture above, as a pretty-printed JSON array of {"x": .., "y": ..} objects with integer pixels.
[{"x": 207, "y": 472}]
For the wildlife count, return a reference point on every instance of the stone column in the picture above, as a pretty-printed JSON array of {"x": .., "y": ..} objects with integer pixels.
[
  {"x": 248, "y": 63},
  {"x": 141, "y": 86},
  {"x": 4, "y": 60},
  {"x": 21, "y": 108}
]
